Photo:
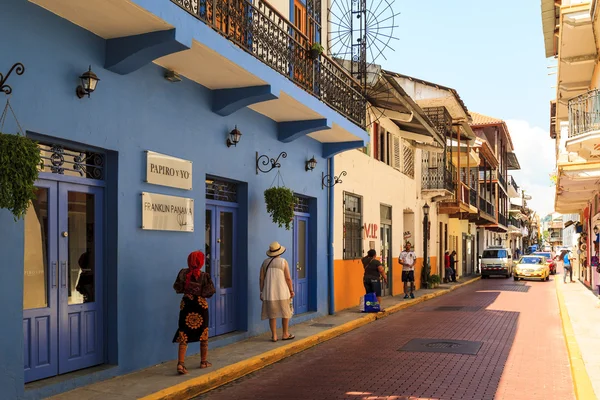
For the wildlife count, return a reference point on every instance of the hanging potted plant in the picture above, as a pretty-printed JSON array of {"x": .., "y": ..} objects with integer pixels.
[
  {"x": 315, "y": 51},
  {"x": 280, "y": 206},
  {"x": 19, "y": 162}
]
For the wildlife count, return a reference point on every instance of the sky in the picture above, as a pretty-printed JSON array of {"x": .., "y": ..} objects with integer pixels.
[{"x": 493, "y": 54}]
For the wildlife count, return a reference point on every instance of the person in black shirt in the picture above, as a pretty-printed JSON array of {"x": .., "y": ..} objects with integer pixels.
[{"x": 374, "y": 271}]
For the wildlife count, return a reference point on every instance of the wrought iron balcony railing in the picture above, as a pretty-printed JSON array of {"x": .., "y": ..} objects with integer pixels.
[
  {"x": 435, "y": 175},
  {"x": 514, "y": 222},
  {"x": 584, "y": 113},
  {"x": 473, "y": 197},
  {"x": 501, "y": 180},
  {"x": 502, "y": 220},
  {"x": 486, "y": 206},
  {"x": 513, "y": 183},
  {"x": 259, "y": 29}
]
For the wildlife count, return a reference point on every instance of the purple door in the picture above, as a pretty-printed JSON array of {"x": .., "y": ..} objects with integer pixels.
[
  {"x": 63, "y": 316},
  {"x": 299, "y": 267},
  {"x": 221, "y": 223}
]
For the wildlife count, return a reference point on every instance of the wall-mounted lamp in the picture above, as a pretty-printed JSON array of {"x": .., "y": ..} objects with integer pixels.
[
  {"x": 234, "y": 137},
  {"x": 172, "y": 76},
  {"x": 311, "y": 164},
  {"x": 596, "y": 229},
  {"x": 89, "y": 80}
]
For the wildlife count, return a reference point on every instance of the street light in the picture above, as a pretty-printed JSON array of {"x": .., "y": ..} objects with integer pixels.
[{"x": 426, "y": 269}]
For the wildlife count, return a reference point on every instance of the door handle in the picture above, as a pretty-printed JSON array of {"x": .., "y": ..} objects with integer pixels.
[
  {"x": 63, "y": 275},
  {"x": 298, "y": 266},
  {"x": 53, "y": 273}
]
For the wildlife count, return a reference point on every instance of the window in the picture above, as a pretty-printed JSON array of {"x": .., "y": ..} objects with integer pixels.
[
  {"x": 494, "y": 254},
  {"x": 352, "y": 227}
]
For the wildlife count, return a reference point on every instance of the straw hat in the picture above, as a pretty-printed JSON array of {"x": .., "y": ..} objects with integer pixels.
[{"x": 275, "y": 249}]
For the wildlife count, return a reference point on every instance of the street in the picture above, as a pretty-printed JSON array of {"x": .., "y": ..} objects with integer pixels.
[{"x": 522, "y": 355}]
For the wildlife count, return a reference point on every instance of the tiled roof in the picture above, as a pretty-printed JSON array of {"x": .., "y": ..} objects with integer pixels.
[{"x": 480, "y": 119}]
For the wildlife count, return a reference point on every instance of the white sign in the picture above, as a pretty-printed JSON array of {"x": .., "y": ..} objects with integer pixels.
[
  {"x": 167, "y": 213},
  {"x": 168, "y": 171}
]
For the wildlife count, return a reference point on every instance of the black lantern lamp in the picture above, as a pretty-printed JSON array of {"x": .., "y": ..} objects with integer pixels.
[
  {"x": 311, "y": 164},
  {"x": 234, "y": 137},
  {"x": 89, "y": 80},
  {"x": 596, "y": 229},
  {"x": 426, "y": 209}
]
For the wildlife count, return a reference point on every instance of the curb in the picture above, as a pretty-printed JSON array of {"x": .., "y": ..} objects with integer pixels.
[
  {"x": 581, "y": 380},
  {"x": 202, "y": 384}
]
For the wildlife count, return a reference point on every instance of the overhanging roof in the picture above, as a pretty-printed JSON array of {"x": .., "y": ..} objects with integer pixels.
[
  {"x": 513, "y": 162},
  {"x": 550, "y": 15},
  {"x": 482, "y": 121},
  {"x": 575, "y": 186},
  {"x": 389, "y": 95}
]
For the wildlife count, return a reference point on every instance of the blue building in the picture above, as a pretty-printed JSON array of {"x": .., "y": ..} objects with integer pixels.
[{"x": 87, "y": 275}]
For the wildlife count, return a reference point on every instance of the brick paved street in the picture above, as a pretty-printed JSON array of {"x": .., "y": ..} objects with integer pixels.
[{"x": 522, "y": 356}]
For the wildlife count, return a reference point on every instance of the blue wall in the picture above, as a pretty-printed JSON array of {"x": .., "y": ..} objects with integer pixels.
[{"x": 125, "y": 116}]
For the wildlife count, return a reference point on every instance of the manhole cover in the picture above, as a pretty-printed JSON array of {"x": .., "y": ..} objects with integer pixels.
[
  {"x": 322, "y": 325},
  {"x": 442, "y": 346}
]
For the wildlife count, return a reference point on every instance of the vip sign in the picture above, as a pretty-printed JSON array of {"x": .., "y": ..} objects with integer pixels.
[
  {"x": 371, "y": 231},
  {"x": 168, "y": 171}
]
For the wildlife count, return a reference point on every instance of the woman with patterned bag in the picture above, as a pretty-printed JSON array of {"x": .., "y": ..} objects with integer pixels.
[{"x": 196, "y": 286}]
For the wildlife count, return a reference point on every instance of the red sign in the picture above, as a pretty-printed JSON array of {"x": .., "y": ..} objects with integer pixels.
[{"x": 371, "y": 231}]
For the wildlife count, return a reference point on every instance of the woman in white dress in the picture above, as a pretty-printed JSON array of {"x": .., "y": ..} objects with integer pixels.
[{"x": 276, "y": 291}]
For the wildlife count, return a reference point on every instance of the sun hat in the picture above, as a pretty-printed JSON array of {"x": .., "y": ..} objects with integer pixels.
[{"x": 275, "y": 249}]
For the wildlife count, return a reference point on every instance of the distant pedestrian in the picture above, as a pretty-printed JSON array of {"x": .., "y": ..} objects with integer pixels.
[
  {"x": 453, "y": 265},
  {"x": 407, "y": 259},
  {"x": 450, "y": 273},
  {"x": 276, "y": 291},
  {"x": 517, "y": 254},
  {"x": 193, "y": 310},
  {"x": 568, "y": 266},
  {"x": 374, "y": 274}
]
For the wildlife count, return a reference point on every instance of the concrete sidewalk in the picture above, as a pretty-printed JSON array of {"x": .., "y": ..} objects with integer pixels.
[
  {"x": 236, "y": 360},
  {"x": 583, "y": 309}
]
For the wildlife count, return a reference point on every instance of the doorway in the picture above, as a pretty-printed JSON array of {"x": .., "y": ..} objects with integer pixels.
[
  {"x": 221, "y": 223},
  {"x": 63, "y": 311},
  {"x": 386, "y": 247},
  {"x": 299, "y": 269}
]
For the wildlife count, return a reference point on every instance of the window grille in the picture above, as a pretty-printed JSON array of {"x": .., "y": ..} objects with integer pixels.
[
  {"x": 301, "y": 205},
  {"x": 408, "y": 159},
  {"x": 221, "y": 190},
  {"x": 352, "y": 227},
  {"x": 61, "y": 160}
]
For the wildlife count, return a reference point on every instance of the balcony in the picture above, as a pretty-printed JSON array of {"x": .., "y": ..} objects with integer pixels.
[
  {"x": 513, "y": 189},
  {"x": 436, "y": 177},
  {"x": 501, "y": 180},
  {"x": 584, "y": 125},
  {"x": 259, "y": 29},
  {"x": 502, "y": 220}
]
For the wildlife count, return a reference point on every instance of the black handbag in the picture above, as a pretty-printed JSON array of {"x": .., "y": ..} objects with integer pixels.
[{"x": 208, "y": 287}]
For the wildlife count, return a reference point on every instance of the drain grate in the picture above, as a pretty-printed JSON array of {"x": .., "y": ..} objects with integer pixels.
[
  {"x": 457, "y": 308},
  {"x": 322, "y": 325},
  {"x": 442, "y": 346}
]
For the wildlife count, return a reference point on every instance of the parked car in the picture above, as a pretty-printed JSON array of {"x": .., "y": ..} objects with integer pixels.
[
  {"x": 496, "y": 260},
  {"x": 532, "y": 267},
  {"x": 549, "y": 259}
]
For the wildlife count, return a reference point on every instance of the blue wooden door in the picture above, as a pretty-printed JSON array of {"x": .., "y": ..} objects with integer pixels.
[
  {"x": 221, "y": 223},
  {"x": 63, "y": 316},
  {"x": 299, "y": 267},
  {"x": 80, "y": 297},
  {"x": 40, "y": 296}
]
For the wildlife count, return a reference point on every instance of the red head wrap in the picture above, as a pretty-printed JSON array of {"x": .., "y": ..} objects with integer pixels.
[{"x": 195, "y": 262}]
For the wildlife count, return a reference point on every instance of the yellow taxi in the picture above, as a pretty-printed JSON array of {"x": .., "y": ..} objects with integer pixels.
[{"x": 532, "y": 267}]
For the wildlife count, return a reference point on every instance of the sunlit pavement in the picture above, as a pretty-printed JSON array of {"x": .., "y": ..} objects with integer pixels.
[{"x": 522, "y": 355}]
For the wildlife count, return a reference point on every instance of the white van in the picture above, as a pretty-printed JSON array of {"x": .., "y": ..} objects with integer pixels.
[{"x": 496, "y": 260}]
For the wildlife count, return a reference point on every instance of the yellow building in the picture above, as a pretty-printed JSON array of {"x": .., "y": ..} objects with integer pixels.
[{"x": 572, "y": 35}]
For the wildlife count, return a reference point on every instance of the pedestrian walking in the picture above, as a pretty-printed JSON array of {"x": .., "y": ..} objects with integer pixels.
[
  {"x": 195, "y": 286},
  {"x": 276, "y": 291},
  {"x": 374, "y": 274},
  {"x": 453, "y": 264},
  {"x": 407, "y": 259},
  {"x": 568, "y": 266},
  {"x": 450, "y": 273}
]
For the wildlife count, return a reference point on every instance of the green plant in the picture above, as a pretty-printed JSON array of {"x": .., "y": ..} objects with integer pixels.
[
  {"x": 19, "y": 161},
  {"x": 435, "y": 279},
  {"x": 280, "y": 205},
  {"x": 317, "y": 46}
]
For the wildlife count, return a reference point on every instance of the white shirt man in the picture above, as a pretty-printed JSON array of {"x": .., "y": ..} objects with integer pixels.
[{"x": 407, "y": 259}]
